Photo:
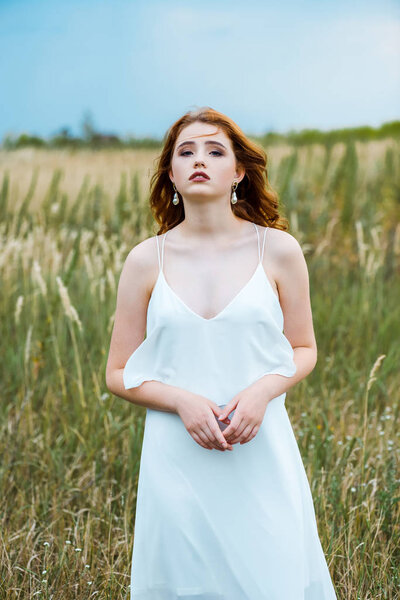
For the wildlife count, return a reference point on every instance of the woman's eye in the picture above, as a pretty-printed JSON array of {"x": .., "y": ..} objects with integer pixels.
[{"x": 185, "y": 152}]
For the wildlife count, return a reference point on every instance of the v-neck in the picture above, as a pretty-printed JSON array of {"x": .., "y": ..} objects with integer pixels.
[
  {"x": 161, "y": 277},
  {"x": 221, "y": 312}
]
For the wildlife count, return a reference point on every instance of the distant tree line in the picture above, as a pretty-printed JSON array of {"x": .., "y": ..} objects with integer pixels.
[
  {"x": 63, "y": 139},
  {"x": 93, "y": 139},
  {"x": 315, "y": 136}
]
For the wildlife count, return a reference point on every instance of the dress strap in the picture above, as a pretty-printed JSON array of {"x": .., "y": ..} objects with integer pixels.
[
  {"x": 262, "y": 252},
  {"x": 160, "y": 254},
  {"x": 258, "y": 241}
]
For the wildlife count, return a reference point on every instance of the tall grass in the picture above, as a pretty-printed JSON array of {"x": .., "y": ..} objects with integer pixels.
[{"x": 70, "y": 452}]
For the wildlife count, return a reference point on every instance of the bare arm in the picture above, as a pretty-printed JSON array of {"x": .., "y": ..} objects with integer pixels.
[
  {"x": 291, "y": 275},
  {"x": 134, "y": 289}
]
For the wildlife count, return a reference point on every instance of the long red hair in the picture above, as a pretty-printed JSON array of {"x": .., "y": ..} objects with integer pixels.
[{"x": 257, "y": 201}]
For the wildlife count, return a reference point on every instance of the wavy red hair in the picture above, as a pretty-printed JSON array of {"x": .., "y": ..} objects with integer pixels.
[{"x": 257, "y": 201}]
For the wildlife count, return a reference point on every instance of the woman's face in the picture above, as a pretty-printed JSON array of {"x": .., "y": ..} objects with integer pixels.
[{"x": 197, "y": 150}]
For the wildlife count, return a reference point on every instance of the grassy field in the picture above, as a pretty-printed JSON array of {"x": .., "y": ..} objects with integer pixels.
[{"x": 70, "y": 451}]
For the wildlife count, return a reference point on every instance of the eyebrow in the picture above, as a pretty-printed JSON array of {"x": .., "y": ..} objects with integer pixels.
[{"x": 208, "y": 142}]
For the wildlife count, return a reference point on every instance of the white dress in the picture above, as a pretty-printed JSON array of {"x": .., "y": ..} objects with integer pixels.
[{"x": 211, "y": 525}]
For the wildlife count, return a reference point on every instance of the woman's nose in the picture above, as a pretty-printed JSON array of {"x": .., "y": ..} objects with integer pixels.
[{"x": 198, "y": 163}]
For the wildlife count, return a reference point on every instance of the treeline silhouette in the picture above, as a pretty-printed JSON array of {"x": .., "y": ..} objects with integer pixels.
[{"x": 96, "y": 140}]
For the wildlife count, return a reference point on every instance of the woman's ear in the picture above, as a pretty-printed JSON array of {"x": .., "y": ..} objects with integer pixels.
[{"x": 240, "y": 173}]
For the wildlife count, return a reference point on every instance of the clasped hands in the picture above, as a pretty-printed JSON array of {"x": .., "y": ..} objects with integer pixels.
[
  {"x": 199, "y": 415},
  {"x": 249, "y": 408}
]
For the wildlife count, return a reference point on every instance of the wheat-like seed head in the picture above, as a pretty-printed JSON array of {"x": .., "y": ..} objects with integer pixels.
[
  {"x": 18, "y": 308},
  {"x": 37, "y": 276},
  {"x": 374, "y": 369},
  {"x": 69, "y": 309}
]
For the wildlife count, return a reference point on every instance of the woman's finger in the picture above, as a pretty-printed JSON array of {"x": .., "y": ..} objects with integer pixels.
[
  {"x": 199, "y": 440},
  {"x": 243, "y": 434},
  {"x": 234, "y": 428},
  {"x": 207, "y": 428},
  {"x": 217, "y": 436},
  {"x": 239, "y": 432},
  {"x": 252, "y": 434},
  {"x": 210, "y": 439},
  {"x": 233, "y": 425},
  {"x": 205, "y": 437}
]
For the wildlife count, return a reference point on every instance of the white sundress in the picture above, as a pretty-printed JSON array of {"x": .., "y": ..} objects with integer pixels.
[{"x": 211, "y": 525}]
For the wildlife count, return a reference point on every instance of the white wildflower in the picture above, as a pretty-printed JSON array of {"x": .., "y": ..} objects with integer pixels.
[
  {"x": 37, "y": 276},
  {"x": 18, "y": 308},
  {"x": 28, "y": 346},
  {"x": 70, "y": 311}
]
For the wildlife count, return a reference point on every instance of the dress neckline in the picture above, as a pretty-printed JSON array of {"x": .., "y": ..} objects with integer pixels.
[
  {"x": 161, "y": 277},
  {"x": 242, "y": 289}
]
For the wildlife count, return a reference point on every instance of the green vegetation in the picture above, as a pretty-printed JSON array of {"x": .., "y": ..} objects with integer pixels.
[
  {"x": 97, "y": 141},
  {"x": 70, "y": 451}
]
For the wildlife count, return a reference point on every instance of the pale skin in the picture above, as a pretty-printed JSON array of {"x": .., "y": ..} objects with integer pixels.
[{"x": 202, "y": 249}]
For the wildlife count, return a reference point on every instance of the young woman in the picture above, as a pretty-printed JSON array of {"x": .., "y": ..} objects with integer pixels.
[{"x": 212, "y": 292}]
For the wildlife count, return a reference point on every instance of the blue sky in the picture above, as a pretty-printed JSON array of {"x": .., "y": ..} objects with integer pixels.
[{"x": 138, "y": 66}]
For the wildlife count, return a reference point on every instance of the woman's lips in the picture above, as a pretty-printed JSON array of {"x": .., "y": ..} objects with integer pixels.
[{"x": 199, "y": 178}]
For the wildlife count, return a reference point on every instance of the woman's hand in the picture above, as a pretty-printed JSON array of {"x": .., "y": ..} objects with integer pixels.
[
  {"x": 199, "y": 415},
  {"x": 249, "y": 407}
]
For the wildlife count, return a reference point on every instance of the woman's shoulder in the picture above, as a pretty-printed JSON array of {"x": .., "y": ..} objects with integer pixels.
[
  {"x": 282, "y": 242},
  {"x": 282, "y": 245},
  {"x": 143, "y": 254}
]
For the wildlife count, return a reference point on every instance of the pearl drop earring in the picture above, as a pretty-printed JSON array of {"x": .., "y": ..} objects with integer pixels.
[
  {"x": 234, "y": 197},
  {"x": 175, "y": 199}
]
